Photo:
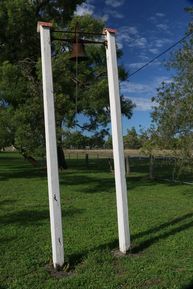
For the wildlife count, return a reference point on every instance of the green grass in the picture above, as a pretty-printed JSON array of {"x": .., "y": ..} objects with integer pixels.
[{"x": 161, "y": 221}]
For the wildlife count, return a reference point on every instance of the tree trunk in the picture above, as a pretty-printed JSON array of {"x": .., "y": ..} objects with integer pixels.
[
  {"x": 29, "y": 158},
  {"x": 86, "y": 160},
  {"x": 110, "y": 161},
  {"x": 151, "y": 167},
  {"x": 62, "y": 165}
]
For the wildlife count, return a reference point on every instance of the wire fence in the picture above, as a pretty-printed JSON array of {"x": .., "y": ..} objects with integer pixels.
[{"x": 162, "y": 166}]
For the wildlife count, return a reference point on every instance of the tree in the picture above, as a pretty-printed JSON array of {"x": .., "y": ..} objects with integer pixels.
[
  {"x": 173, "y": 115},
  {"x": 6, "y": 128},
  {"x": 132, "y": 139},
  {"x": 96, "y": 141},
  {"x": 83, "y": 93},
  {"x": 20, "y": 87},
  {"x": 150, "y": 142},
  {"x": 18, "y": 21},
  {"x": 75, "y": 140},
  {"x": 108, "y": 143}
]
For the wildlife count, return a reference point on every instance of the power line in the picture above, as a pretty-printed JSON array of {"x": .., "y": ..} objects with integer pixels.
[{"x": 159, "y": 55}]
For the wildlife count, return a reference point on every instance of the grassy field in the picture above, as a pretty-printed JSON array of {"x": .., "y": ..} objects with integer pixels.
[{"x": 161, "y": 222}]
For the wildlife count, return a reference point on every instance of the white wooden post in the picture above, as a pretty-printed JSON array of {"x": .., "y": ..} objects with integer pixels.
[
  {"x": 51, "y": 150},
  {"x": 118, "y": 151}
]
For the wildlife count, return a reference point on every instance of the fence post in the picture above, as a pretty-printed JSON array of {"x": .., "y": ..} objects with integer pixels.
[
  {"x": 86, "y": 160},
  {"x": 127, "y": 166}
]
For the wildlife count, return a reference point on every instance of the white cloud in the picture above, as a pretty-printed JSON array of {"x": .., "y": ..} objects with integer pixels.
[
  {"x": 158, "y": 44},
  {"x": 143, "y": 42},
  {"x": 160, "y": 14},
  {"x": 131, "y": 29},
  {"x": 137, "y": 65},
  {"x": 152, "y": 18},
  {"x": 149, "y": 88},
  {"x": 134, "y": 87},
  {"x": 142, "y": 104},
  {"x": 130, "y": 36},
  {"x": 113, "y": 13},
  {"x": 140, "y": 42},
  {"x": 126, "y": 31},
  {"x": 141, "y": 93},
  {"x": 154, "y": 50},
  {"x": 114, "y": 3},
  {"x": 105, "y": 17},
  {"x": 162, "y": 26},
  {"x": 83, "y": 9},
  {"x": 160, "y": 79},
  {"x": 161, "y": 42},
  {"x": 143, "y": 57},
  {"x": 117, "y": 15},
  {"x": 156, "y": 17}
]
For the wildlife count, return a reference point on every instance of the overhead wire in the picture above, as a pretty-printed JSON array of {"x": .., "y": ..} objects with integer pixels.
[{"x": 161, "y": 54}]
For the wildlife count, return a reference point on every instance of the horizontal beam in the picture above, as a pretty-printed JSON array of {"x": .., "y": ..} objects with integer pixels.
[
  {"x": 79, "y": 32},
  {"x": 79, "y": 41}
]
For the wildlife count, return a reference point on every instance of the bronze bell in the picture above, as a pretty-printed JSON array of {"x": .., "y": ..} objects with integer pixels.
[{"x": 78, "y": 51}]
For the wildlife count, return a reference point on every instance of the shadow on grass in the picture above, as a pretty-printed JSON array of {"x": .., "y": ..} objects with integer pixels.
[
  {"x": 163, "y": 226},
  {"x": 23, "y": 172},
  {"x": 97, "y": 183},
  {"x": 3, "y": 178},
  {"x": 7, "y": 202},
  {"x": 188, "y": 286},
  {"x": 6, "y": 240},
  {"x": 78, "y": 258},
  {"x": 34, "y": 217},
  {"x": 13, "y": 165},
  {"x": 147, "y": 243},
  {"x": 89, "y": 184}
]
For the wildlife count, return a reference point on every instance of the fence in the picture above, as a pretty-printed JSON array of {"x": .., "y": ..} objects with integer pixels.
[{"x": 161, "y": 166}]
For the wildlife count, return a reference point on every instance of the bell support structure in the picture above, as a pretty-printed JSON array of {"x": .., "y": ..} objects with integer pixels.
[{"x": 118, "y": 151}]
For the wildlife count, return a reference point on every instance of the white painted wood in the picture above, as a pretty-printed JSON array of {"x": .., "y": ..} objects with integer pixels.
[
  {"x": 51, "y": 150},
  {"x": 118, "y": 151}
]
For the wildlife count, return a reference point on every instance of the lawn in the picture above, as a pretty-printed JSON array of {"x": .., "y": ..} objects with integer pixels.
[{"x": 161, "y": 222}]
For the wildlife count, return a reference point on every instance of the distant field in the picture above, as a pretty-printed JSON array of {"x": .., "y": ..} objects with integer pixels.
[
  {"x": 102, "y": 153},
  {"x": 161, "y": 222}
]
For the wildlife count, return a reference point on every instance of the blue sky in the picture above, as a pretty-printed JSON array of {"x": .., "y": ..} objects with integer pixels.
[{"x": 144, "y": 29}]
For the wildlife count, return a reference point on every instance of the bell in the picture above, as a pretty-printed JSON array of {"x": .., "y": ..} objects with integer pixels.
[{"x": 78, "y": 51}]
